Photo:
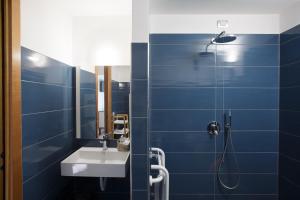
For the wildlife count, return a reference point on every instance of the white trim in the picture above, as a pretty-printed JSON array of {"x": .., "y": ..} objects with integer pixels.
[{"x": 78, "y": 117}]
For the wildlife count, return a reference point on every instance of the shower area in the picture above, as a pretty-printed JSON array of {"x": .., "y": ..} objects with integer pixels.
[{"x": 214, "y": 110}]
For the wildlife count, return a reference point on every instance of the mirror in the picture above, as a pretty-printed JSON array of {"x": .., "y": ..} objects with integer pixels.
[{"x": 103, "y": 102}]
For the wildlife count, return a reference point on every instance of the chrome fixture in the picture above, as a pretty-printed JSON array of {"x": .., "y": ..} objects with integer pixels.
[
  {"x": 213, "y": 128},
  {"x": 227, "y": 142},
  {"x": 103, "y": 141},
  {"x": 102, "y": 183},
  {"x": 221, "y": 38}
]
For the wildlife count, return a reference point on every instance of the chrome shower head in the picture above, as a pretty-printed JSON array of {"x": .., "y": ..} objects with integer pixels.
[
  {"x": 219, "y": 39},
  {"x": 223, "y": 38}
]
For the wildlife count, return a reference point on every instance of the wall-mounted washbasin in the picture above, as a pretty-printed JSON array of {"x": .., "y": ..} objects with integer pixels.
[{"x": 95, "y": 162}]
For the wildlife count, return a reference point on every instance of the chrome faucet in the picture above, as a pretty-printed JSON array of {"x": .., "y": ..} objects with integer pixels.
[{"x": 103, "y": 141}]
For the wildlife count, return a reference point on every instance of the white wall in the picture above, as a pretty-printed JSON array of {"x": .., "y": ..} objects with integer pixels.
[
  {"x": 290, "y": 17},
  {"x": 121, "y": 73},
  {"x": 250, "y": 24},
  {"x": 46, "y": 27},
  {"x": 101, "y": 40},
  {"x": 140, "y": 20}
]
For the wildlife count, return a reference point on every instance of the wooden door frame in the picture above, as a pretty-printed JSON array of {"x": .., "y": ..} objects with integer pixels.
[
  {"x": 108, "y": 99},
  {"x": 1, "y": 108},
  {"x": 11, "y": 67}
]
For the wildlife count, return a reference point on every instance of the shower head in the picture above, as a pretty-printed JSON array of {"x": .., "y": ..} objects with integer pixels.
[
  {"x": 223, "y": 38},
  {"x": 219, "y": 39}
]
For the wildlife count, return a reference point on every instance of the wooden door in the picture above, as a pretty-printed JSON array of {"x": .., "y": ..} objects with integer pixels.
[
  {"x": 1, "y": 108},
  {"x": 10, "y": 108}
]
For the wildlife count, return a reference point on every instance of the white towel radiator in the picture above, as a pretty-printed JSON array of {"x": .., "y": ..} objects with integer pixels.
[{"x": 163, "y": 174}]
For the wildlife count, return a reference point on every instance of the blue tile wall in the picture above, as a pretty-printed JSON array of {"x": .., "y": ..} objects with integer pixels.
[
  {"x": 289, "y": 166},
  {"x": 47, "y": 123},
  {"x": 88, "y": 188},
  {"x": 120, "y": 97},
  {"x": 88, "y": 104},
  {"x": 139, "y": 121},
  {"x": 189, "y": 89}
]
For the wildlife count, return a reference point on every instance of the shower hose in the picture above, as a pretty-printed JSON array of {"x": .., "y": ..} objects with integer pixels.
[{"x": 228, "y": 141}]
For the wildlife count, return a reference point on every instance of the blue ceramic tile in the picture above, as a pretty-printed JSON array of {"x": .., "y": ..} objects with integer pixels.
[
  {"x": 139, "y": 195},
  {"x": 288, "y": 119},
  {"x": 185, "y": 55},
  {"x": 191, "y": 197},
  {"x": 139, "y": 98},
  {"x": 120, "y": 98},
  {"x": 205, "y": 38},
  {"x": 257, "y": 39},
  {"x": 183, "y": 82},
  {"x": 247, "y": 197},
  {"x": 41, "y": 185},
  {"x": 87, "y": 97},
  {"x": 48, "y": 94},
  {"x": 254, "y": 119},
  {"x": 183, "y": 98},
  {"x": 290, "y": 34},
  {"x": 87, "y": 80},
  {"x": 90, "y": 185},
  {"x": 248, "y": 76},
  {"x": 88, "y": 122},
  {"x": 289, "y": 51},
  {"x": 249, "y": 162},
  {"x": 139, "y": 172},
  {"x": 289, "y": 146},
  {"x": 87, "y": 113},
  {"x": 256, "y": 141},
  {"x": 180, "y": 38},
  {"x": 36, "y": 128},
  {"x": 39, "y": 97},
  {"x": 139, "y": 135},
  {"x": 191, "y": 184},
  {"x": 88, "y": 130},
  {"x": 181, "y": 120},
  {"x": 172, "y": 76},
  {"x": 290, "y": 98},
  {"x": 251, "y": 98},
  {"x": 183, "y": 141},
  {"x": 250, "y": 184},
  {"x": 289, "y": 168},
  {"x": 288, "y": 190},
  {"x": 139, "y": 59},
  {"x": 40, "y": 68},
  {"x": 39, "y": 156},
  {"x": 247, "y": 55},
  {"x": 289, "y": 75},
  {"x": 190, "y": 162}
]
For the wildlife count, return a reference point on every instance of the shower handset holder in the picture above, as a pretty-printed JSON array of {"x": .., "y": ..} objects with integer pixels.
[
  {"x": 227, "y": 121},
  {"x": 213, "y": 128}
]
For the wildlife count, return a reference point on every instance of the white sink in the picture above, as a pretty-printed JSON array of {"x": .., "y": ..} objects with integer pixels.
[{"x": 95, "y": 162}]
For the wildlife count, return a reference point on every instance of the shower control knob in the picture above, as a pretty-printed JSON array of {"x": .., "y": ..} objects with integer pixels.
[{"x": 213, "y": 128}]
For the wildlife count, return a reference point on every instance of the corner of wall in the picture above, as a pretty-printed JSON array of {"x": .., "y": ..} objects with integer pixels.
[{"x": 290, "y": 17}]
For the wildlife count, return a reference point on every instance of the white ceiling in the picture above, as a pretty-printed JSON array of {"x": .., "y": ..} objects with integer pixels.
[{"x": 219, "y": 6}]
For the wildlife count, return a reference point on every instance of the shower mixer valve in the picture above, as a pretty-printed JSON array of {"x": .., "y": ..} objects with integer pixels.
[{"x": 213, "y": 128}]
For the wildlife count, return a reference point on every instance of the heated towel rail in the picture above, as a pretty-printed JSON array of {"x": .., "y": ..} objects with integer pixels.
[{"x": 163, "y": 174}]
